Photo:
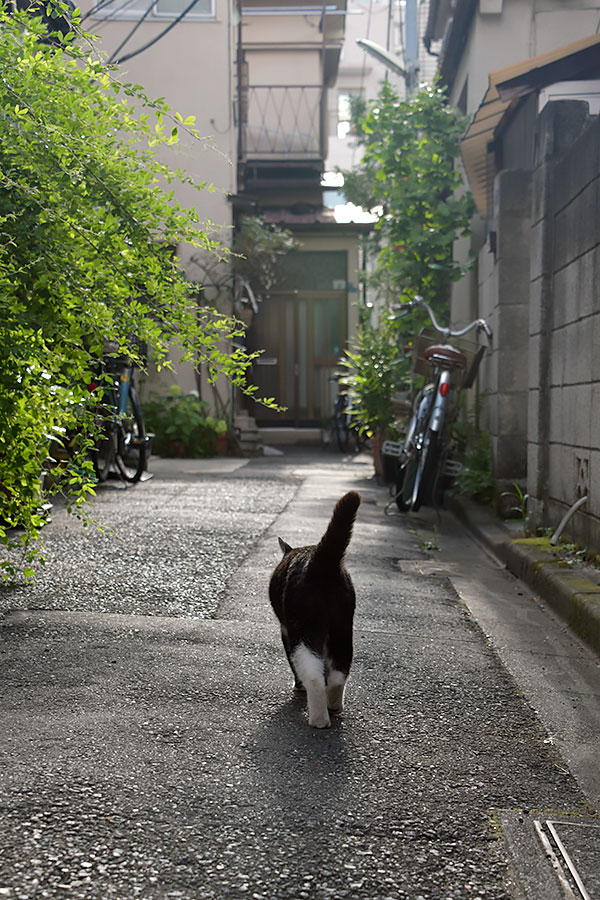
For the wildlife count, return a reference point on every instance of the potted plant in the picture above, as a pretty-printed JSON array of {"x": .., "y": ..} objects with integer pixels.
[{"x": 221, "y": 440}]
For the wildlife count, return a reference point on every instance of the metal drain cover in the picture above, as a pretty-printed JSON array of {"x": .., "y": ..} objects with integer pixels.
[
  {"x": 573, "y": 848},
  {"x": 553, "y": 857}
]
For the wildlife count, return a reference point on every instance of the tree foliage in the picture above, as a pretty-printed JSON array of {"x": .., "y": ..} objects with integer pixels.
[
  {"x": 251, "y": 272},
  {"x": 408, "y": 175},
  {"x": 259, "y": 249},
  {"x": 88, "y": 228}
]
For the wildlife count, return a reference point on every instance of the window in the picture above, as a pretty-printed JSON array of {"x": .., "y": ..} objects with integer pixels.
[
  {"x": 152, "y": 9},
  {"x": 173, "y": 8},
  {"x": 344, "y": 113}
]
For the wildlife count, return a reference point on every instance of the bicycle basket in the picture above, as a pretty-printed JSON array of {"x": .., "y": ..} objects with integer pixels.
[{"x": 471, "y": 349}]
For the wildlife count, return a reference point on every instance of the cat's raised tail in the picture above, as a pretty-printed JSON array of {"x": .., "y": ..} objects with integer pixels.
[{"x": 330, "y": 550}]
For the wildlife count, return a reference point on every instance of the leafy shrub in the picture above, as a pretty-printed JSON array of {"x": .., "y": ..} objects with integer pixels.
[
  {"x": 374, "y": 372},
  {"x": 87, "y": 232},
  {"x": 474, "y": 451},
  {"x": 181, "y": 426}
]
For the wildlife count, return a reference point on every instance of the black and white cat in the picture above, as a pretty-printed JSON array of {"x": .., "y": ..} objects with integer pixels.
[{"x": 313, "y": 597}]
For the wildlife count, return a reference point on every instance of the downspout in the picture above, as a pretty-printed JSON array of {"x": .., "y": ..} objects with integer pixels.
[
  {"x": 323, "y": 107},
  {"x": 240, "y": 103}
]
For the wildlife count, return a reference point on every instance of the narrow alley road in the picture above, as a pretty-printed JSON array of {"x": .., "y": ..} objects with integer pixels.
[{"x": 151, "y": 746}]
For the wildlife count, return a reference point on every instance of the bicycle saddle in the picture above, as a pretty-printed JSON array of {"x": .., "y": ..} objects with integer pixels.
[{"x": 445, "y": 355}]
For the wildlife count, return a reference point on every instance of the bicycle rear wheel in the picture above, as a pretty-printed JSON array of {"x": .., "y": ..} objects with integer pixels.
[
  {"x": 131, "y": 441},
  {"x": 425, "y": 475}
]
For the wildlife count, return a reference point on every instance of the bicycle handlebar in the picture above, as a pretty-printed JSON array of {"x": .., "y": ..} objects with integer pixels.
[{"x": 479, "y": 324}]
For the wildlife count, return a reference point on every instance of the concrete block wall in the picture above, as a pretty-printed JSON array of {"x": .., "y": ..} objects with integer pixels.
[
  {"x": 507, "y": 309},
  {"x": 563, "y": 453}
]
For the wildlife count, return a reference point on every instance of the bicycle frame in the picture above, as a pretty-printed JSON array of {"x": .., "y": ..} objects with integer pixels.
[
  {"x": 125, "y": 379},
  {"x": 123, "y": 425}
]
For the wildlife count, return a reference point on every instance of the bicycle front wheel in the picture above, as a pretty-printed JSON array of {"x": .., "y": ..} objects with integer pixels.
[
  {"x": 103, "y": 454},
  {"x": 341, "y": 433},
  {"x": 400, "y": 493},
  {"x": 131, "y": 444}
]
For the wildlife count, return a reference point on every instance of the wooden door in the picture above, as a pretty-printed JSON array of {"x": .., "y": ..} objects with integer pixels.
[{"x": 302, "y": 335}]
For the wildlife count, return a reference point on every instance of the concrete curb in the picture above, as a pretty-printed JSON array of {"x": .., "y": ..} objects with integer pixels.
[{"x": 574, "y": 593}]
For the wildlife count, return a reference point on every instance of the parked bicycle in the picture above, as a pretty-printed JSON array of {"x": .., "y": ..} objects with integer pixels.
[
  {"x": 123, "y": 444},
  {"x": 344, "y": 430},
  {"x": 423, "y": 456}
]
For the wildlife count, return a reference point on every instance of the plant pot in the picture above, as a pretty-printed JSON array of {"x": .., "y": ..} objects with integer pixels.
[
  {"x": 376, "y": 445},
  {"x": 221, "y": 444},
  {"x": 176, "y": 449}
]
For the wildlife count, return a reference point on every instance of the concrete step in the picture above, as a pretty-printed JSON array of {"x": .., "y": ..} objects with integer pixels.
[
  {"x": 248, "y": 435},
  {"x": 283, "y": 435}
]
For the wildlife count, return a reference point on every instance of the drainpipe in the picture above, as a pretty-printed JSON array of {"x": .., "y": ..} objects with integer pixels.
[
  {"x": 323, "y": 112},
  {"x": 411, "y": 45},
  {"x": 563, "y": 522},
  {"x": 240, "y": 102}
]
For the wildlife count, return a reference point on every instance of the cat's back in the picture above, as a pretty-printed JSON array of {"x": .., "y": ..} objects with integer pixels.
[
  {"x": 290, "y": 571},
  {"x": 297, "y": 588}
]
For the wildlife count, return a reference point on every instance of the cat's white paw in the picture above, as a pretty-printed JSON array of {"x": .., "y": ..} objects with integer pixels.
[{"x": 319, "y": 721}]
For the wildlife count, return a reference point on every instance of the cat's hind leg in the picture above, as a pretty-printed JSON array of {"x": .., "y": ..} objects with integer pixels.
[
  {"x": 339, "y": 660},
  {"x": 310, "y": 669},
  {"x": 336, "y": 683},
  {"x": 298, "y": 686}
]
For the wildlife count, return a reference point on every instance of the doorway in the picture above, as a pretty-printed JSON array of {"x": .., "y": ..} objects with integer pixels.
[{"x": 303, "y": 335}]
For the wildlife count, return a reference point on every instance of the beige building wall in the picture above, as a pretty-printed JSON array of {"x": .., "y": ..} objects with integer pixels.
[
  {"x": 265, "y": 31},
  {"x": 523, "y": 29},
  {"x": 285, "y": 67},
  {"x": 192, "y": 67}
]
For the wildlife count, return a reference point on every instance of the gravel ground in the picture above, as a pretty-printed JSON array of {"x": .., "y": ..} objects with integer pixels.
[{"x": 167, "y": 547}]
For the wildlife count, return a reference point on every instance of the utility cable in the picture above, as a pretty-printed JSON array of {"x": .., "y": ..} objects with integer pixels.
[
  {"x": 158, "y": 36},
  {"x": 111, "y": 13},
  {"x": 133, "y": 30},
  {"x": 102, "y": 4}
]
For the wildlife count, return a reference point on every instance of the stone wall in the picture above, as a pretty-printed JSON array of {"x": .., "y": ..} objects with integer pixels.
[{"x": 563, "y": 455}]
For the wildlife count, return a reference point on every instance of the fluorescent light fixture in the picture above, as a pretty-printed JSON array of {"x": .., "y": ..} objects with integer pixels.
[{"x": 382, "y": 56}]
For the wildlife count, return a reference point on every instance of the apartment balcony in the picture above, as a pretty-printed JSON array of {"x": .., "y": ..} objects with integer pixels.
[{"x": 282, "y": 122}]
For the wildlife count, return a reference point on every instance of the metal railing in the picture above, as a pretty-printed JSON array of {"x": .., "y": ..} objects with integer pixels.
[{"x": 282, "y": 121}]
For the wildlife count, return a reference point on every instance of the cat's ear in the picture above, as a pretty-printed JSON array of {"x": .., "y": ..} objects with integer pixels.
[{"x": 285, "y": 548}]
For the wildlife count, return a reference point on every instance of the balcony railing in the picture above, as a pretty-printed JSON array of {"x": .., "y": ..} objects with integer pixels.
[{"x": 282, "y": 121}]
